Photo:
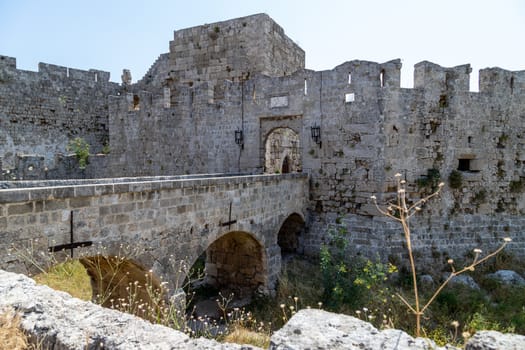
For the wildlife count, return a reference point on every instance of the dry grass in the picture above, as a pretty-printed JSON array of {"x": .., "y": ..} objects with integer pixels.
[
  {"x": 11, "y": 336},
  {"x": 70, "y": 277},
  {"x": 241, "y": 335}
]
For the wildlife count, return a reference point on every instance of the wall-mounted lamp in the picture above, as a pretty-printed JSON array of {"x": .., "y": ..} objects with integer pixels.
[
  {"x": 239, "y": 138},
  {"x": 316, "y": 134}
]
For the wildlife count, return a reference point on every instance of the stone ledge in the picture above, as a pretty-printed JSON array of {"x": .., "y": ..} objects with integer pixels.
[{"x": 13, "y": 192}]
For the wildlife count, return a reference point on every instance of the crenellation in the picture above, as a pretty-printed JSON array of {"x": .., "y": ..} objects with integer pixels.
[
  {"x": 496, "y": 81},
  {"x": 458, "y": 78},
  {"x": 7, "y": 62},
  {"x": 429, "y": 76},
  {"x": 52, "y": 71}
]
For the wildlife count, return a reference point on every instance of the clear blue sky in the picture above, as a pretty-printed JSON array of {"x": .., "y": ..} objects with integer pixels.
[{"x": 112, "y": 35}]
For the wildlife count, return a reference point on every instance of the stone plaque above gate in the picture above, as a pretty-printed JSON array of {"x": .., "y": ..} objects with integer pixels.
[{"x": 278, "y": 101}]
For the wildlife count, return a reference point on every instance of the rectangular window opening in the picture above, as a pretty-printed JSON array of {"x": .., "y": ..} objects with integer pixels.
[
  {"x": 349, "y": 97},
  {"x": 349, "y": 78},
  {"x": 464, "y": 164}
]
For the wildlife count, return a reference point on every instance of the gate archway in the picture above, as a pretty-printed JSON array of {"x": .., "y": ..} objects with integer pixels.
[{"x": 282, "y": 151}]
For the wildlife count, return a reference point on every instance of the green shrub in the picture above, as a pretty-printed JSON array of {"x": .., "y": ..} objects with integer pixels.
[
  {"x": 517, "y": 186},
  {"x": 455, "y": 179},
  {"x": 430, "y": 180},
  {"x": 80, "y": 147}
]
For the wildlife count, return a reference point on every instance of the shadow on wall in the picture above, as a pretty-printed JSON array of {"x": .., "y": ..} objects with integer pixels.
[{"x": 290, "y": 233}]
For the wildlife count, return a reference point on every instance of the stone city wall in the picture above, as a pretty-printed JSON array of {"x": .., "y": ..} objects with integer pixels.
[
  {"x": 183, "y": 116},
  {"x": 40, "y": 112}
]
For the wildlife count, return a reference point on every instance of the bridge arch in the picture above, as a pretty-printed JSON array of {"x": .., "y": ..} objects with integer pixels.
[
  {"x": 282, "y": 151},
  {"x": 290, "y": 232},
  {"x": 236, "y": 261},
  {"x": 115, "y": 278}
]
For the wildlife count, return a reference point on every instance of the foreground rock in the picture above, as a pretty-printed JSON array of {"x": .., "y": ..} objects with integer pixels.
[
  {"x": 62, "y": 322},
  {"x": 492, "y": 340},
  {"x": 318, "y": 329}
]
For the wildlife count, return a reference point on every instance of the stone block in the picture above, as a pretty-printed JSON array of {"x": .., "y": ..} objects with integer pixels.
[
  {"x": 63, "y": 192},
  {"x": 57, "y": 204},
  {"x": 20, "y": 209},
  {"x": 79, "y": 202},
  {"x": 12, "y": 196}
]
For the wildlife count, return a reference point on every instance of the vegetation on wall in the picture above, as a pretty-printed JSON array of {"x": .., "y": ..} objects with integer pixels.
[
  {"x": 455, "y": 179},
  {"x": 80, "y": 147},
  {"x": 430, "y": 181}
]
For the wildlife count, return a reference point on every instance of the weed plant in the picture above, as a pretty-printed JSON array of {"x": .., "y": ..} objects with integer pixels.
[
  {"x": 80, "y": 147},
  {"x": 11, "y": 335},
  {"x": 402, "y": 209}
]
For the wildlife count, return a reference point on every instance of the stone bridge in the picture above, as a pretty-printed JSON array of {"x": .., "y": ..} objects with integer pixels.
[{"x": 240, "y": 223}]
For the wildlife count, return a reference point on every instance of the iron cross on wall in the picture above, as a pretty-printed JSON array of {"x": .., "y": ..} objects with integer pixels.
[
  {"x": 230, "y": 222},
  {"x": 72, "y": 244}
]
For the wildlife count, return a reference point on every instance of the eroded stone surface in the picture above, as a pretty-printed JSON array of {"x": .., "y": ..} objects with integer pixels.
[
  {"x": 318, "y": 329},
  {"x": 65, "y": 323},
  {"x": 492, "y": 340}
]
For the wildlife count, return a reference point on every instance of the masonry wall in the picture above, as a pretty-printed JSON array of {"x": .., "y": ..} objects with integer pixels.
[
  {"x": 181, "y": 118},
  {"x": 233, "y": 50},
  {"x": 432, "y": 129},
  {"x": 40, "y": 112}
]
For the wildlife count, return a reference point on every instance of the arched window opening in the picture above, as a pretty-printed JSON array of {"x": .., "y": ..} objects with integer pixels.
[{"x": 382, "y": 78}]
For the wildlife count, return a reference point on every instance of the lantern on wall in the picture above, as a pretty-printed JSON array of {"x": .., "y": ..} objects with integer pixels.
[
  {"x": 239, "y": 138},
  {"x": 316, "y": 134}
]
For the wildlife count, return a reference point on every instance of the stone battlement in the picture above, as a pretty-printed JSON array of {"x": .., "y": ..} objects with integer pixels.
[{"x": 54, "y": 72}]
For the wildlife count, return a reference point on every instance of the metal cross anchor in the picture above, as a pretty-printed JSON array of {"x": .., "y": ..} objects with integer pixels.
[
  {"x": 72, "y": 244},
  {"x": 230, "y": 221}
]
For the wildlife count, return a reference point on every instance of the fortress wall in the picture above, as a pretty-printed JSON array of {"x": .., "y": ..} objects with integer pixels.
[
  {"x": 370, "y": 127},
  {"x": 40, "y": 112},
  {"x": 192, "y": 135},
  {"x": 437, "y": 125}
]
